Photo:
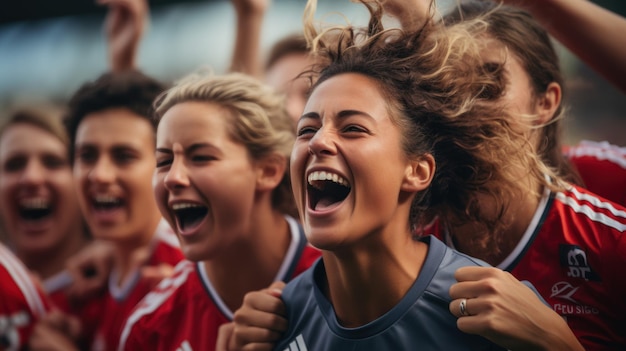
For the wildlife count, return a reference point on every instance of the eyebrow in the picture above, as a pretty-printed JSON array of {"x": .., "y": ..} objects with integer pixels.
[
  {"x": 341, "y": 114},
  {"x": 190, "y": 149}
]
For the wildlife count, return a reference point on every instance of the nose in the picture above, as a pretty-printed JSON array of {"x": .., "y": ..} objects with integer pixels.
[
  {"x": 34, "y": 173},
  {"x": 103, "y": 171},
  {"x": 323, "y": 142},
  {"x": 176, "y": 176}
]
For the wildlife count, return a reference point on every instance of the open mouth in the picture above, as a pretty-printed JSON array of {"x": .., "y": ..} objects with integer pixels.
[
  {"x": 106, "y": 203},
  {"x": 34, "y": 209},
  {"x": 189, "y": 215},
  {"x": 326, "y": 189}
]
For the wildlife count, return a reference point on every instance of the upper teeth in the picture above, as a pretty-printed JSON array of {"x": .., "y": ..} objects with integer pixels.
[
  {"x": 334, "y": 177},
  {"x": 184, "y": 205},
  {"x": 106, "y": 199},
  {"x": 37, "y": 203}
]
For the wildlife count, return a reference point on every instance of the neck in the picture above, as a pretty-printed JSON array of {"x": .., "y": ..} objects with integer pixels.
[
  {"x": 262, "y": 246},
  {"x": 373, "y": 276},
  {"x": 478, "y": 241},
  {"x": 51, "y": 262},
  {"x": 133, "y": 253}
]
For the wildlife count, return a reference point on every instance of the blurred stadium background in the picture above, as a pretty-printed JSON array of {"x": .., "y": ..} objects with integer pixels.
[{"x": 49, "y": 48}]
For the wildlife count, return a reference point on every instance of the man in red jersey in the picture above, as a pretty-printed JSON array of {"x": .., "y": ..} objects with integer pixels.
[
  {"x": 22, "y": 303},
  {"x": 112, "y": 135}
]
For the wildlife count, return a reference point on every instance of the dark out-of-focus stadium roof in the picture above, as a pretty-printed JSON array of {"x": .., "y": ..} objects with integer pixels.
[{"x": 25, "y": 10}]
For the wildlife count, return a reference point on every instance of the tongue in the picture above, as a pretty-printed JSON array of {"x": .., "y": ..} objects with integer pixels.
[{"x": 325, "y": 203}]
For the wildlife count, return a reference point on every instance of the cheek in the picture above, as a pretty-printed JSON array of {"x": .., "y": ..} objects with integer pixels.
[
  {"x": 297, "y": 164},
  {"x": 159, "y": 190},
  {"x": 161, "y": 194},
  {"x": 7, "y": 182},
  {"x": 79, "y": 173}
]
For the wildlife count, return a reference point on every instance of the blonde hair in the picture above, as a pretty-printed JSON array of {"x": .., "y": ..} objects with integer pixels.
[
  {"x": 258, "y": 120},
  {"x": 48, "y": 122},
  {"x": 445, "y": 100}
]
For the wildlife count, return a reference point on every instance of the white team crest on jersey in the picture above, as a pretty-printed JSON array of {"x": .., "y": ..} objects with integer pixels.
[
  {"x": 564, "y": 290},
  {"x": 574, "y": 259}
]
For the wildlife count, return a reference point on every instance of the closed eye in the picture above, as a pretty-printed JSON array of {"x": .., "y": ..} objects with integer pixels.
[
  {"x": 203, "y": 158},
  {"x": 354, "y": 129},
  {"x": 163, "y": 163},
  {"x": 306, "y": 130}
]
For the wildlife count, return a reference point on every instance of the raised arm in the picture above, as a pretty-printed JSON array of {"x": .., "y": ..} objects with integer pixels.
[
  {"x": 411, "y": 14},
  {"x": 500, "y": 308},
  {"x": 593, "y": 33},
  {"x": 124, "y": 27},
  {"x": 246, "y": 54}
]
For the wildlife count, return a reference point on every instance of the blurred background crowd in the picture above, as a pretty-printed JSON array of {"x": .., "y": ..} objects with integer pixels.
[{"x": 49, "y": 48}]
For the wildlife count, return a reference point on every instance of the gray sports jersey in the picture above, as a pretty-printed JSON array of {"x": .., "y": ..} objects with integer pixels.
[{"x": 420, "y": 321}]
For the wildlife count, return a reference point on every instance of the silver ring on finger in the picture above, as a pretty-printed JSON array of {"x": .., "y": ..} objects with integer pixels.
[{"x": 463, "y": 307}]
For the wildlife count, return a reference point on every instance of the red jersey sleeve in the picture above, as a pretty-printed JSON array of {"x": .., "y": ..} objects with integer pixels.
[{"x": 22, "y": 302}]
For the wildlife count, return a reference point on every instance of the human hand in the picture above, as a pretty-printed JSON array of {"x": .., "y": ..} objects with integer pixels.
[
  {"x": 258, "y": 323},
  {"x": 410, "y": 13},
  {"x": 55, "y": 331},
  {"x": 124, "y": 27},
  {"x": 500, "y": 308},
  {"x": 154, "y": 274},
  {"x": 89, "y": 270}
]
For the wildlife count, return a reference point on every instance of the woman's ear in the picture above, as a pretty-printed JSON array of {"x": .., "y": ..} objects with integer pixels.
[
  {"x": 547, "y": 103},
  {"x": 270, "y": 172},
  {"x": 419, "y": 174}
]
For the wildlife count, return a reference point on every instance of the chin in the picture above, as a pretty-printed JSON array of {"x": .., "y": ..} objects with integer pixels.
[{"x": 195, "y": 254}]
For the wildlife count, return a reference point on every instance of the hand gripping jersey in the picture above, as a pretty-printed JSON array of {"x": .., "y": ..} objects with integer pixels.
[
  {"x": 420, "y": 321},
  {"x": 602, "y": 167},
  {"x": 121, "y": 300},
  {"x": 22, "y": 303},
  {"x": 574, "y": 253},
  {"x": 184, "y": 312}
]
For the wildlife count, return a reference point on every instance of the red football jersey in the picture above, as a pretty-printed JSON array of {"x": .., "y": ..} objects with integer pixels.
[
  {"x": 88, "y": 310},
  {"x": 573, "y": 252},
  {"x": 602, "y": 167},
  {"x": 184, "y": 312},
  {"x": 120, "y": 300},
  {"x": 22, "y": 303}
]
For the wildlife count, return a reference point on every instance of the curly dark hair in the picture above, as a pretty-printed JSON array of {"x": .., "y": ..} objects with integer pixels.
[
  {"x": 131, "y": 90},
  {"x": 444, "y": 99}
]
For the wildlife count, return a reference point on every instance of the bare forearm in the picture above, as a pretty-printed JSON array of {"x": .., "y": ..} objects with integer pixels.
[
  {"x": 246, "y": 53},
  {"x": 123, "y": 61},
  {"x": 593, "y": 33},
  {"x": 411, "y": 14}
]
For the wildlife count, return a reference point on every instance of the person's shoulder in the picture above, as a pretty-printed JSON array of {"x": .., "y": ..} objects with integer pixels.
[
  {"x": 450, "y": 259},
  {"x": 582, "y": 205},
  {"x": 160, "y": 306},
  {"x": 441, "y": 263},
  {"x": 165, "y": 250},
  {"x": 302, "y": 285},
  {"x": 600, "y": 150},
  {"x": 161, "y": 300},
  {"x": 18, "y": 286}
]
